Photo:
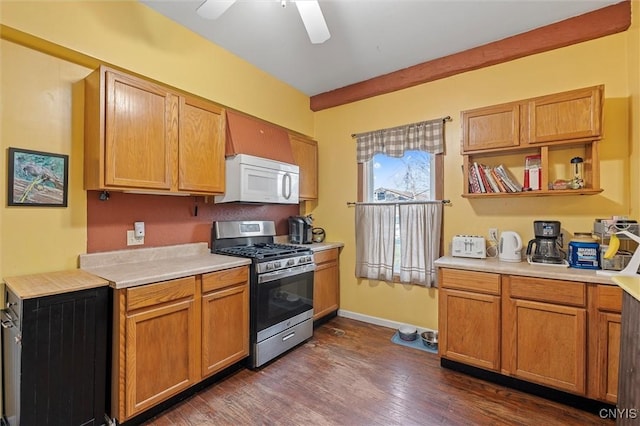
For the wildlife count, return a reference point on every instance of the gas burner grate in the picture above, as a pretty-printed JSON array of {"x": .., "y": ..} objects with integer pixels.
[{"x": 262, "y": 250}]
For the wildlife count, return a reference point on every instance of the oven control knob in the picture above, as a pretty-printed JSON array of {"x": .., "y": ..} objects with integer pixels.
[
  {"x": 277, "y": 264},
  {"x": 269, "y": 266},
  {"x": 291, "y": 262}
]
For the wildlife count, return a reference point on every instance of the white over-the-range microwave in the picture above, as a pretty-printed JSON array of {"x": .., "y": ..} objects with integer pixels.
[{"x": 251, "y": 179}]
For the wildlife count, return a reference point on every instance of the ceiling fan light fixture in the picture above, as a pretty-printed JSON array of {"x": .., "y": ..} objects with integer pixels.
[
  {"x": 213, "y": 9},
  {"x": 313, "y": 20}
]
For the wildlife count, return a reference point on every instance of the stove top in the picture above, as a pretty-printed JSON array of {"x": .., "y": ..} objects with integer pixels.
[{"x": 263, "y": 250}]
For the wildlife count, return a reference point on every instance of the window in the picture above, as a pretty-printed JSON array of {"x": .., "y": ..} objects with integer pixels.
[
  {"x": 408, "y": 178},
  {"x": 417, "y": 176}
]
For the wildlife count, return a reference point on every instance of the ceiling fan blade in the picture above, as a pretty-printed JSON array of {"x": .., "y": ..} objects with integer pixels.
[
  {"x": 213, "y": 9},
  {"x": 313, "y": 20}
]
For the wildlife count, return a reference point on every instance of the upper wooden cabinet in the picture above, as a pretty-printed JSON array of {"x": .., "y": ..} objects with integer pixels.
[
  {"x": 491, "y": 127},
  {"x": 566, "y": 117},
  {"x": 305, "y": 154},
  {"x": 141, "y": 135},
  {"x": 545, "y": 126}
]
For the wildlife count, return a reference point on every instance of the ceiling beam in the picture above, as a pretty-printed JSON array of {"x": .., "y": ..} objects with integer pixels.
[{"x": 599, "y": 23}]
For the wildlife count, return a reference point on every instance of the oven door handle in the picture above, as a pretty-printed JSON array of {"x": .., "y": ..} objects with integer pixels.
[
  {"x": 8, "y": 321},
  {"x": 283, "y": 273}
]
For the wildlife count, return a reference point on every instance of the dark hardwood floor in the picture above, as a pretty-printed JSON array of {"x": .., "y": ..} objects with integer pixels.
[{"x": 350, "y": 373}]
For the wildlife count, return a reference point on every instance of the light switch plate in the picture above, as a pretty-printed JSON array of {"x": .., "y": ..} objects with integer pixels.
[{"x": 132, "y": 240}]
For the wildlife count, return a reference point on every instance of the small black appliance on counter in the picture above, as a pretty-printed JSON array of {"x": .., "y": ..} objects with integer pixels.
[{"x": 300, "y": 228}]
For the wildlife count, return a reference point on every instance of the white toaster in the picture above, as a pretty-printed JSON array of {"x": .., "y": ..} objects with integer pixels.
[{"x": 469, "y": 246}]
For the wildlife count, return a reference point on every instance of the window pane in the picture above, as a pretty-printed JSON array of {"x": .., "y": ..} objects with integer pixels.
[
  {"x": 402, "y": 179},
  {"x": 390, "y": 179}
]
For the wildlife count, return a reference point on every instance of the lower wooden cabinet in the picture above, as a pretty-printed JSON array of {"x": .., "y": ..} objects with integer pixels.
[
  {"x": 170, "y": 335},
  {"x": 545, "y": 332},
  {"x": 605, "y": 328},
  {"x": 326, "y": 283},
  {"x": 556, "y": 333},
  {"x": 225, "y": 319},
  {"x": 469, "y": 318},
  {"x": 161, "y": 331}
]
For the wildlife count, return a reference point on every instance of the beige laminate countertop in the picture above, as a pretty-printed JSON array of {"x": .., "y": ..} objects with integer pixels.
[
  {"x": 284, "y": 239},
  {"x": 128, "y": 268},
  {"x": 525, "y": 269},
  {"x": 47, "y": 284},
  {"x": 630, "y": 284}
]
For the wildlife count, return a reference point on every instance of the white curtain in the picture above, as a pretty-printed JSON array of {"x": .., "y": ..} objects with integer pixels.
[
  {"x": 420, "y": 227},
  {"x": 375, "y": 241}
]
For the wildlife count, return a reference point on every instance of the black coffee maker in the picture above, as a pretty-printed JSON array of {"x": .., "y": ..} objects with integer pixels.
[
  {"x": 547, "y": 242},
  {"x": 300, "y": 229}
]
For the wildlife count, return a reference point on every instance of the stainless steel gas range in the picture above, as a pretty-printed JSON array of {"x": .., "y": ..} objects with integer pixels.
[{"x": 281, "y": 286}]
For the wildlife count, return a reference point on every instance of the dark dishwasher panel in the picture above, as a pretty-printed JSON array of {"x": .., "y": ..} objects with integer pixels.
[{"x": 55, "y": 367}]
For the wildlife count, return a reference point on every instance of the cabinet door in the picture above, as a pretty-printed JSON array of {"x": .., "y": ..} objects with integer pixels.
[
  {"x": 140, "y": 133},
  {"x": 608, "y": 355},
  {"x": 326, "y": 283},
  {"x": 162, "y": 353},
  {"x": 491, "y": 127},
  {"x": 547, "y": 344},
  {"x": 225, "y": 328},
  {"x": 305, "y": 154},
  {"x": 201, "y": 147},
  {"x": 470, "y": 328},
  {"x": 565, "y": 116}
]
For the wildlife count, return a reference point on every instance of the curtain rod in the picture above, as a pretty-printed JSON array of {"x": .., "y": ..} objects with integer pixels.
[
  {"x": 353, "y": 203},
  {"x": 447, "y": 118}
]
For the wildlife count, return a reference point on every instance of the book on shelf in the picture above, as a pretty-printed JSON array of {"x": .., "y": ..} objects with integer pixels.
[
  {"x": 476, "y": 170},
  {"x": 508, "y": 178},
  {"x": 486, "y": 179},
  {"x": 474, "y": 185}
]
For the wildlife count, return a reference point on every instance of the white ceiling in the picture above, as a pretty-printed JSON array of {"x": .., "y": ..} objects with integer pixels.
[{"x": 369, "y": 38}]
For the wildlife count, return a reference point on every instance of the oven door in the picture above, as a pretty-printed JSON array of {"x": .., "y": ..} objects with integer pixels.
[{"x": 283, "y": 295}]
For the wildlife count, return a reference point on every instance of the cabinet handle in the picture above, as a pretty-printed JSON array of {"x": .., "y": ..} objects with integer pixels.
[{"x": 7, "y": 321}]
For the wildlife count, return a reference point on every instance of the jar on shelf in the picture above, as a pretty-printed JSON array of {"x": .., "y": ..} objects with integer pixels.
[{"x": 577, "y": 181}]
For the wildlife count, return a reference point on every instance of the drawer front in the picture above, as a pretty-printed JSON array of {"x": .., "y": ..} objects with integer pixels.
[
  {"x": 325, "y": 256},
  {"x": 225, "y": 278},
  {"x": 153, "y": 294},
  {"x": 481, "y": 282},
  {"x": 546, "y": 290},
  {"x": 609, "y": 298}
]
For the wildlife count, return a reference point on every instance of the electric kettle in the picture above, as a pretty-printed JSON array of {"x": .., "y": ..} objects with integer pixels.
[{"x": 510, "y": 247}]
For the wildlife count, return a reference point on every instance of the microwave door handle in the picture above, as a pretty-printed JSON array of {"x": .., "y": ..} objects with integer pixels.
[{"x": 286, "y": 186}]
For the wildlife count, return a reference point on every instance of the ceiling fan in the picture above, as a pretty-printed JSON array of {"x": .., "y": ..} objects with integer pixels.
[{"x": 309, "y": 11}]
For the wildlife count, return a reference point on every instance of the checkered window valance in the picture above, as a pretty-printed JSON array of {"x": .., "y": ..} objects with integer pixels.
[{"x": 424, "y": 136}]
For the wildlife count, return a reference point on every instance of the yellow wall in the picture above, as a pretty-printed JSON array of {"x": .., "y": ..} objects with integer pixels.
[
  {"x": 39, "y": 113},
  {"x": 602, "y": 61},
  {"x": 131, "y": 36}
]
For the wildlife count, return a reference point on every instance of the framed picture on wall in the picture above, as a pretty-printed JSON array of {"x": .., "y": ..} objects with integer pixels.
[{"x": 37, "y": 178}]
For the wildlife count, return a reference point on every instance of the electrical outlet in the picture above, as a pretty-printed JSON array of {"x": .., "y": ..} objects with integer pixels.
[
  {"x": 132, "y": 240},
  {"x": 493, "y": 234}
]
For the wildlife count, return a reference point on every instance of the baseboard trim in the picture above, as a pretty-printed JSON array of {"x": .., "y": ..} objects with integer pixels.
[{"x": 377, "y": 321}]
